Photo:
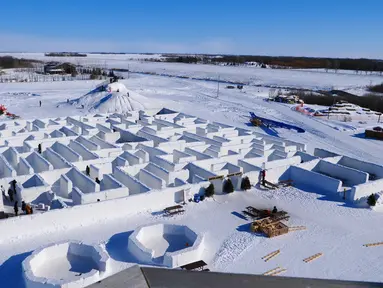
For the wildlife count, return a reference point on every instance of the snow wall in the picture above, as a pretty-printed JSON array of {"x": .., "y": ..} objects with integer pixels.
[{"x": 60, "y": 220}]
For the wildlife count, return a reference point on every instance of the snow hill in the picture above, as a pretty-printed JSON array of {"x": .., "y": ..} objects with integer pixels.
[{"x": 113, "y": 97}]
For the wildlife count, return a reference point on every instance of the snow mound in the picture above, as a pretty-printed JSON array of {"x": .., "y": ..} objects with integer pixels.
[{"x": 113, "y": 98}]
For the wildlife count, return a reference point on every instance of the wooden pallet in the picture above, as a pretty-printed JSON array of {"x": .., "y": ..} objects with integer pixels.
[
  {"x": 297, "y": 228},
  {"x": 271, "y": 255},
  {"x": 274, "y": 271},
  {"x": 313, "y": 257},
  {"x": 373, "y": 244}
]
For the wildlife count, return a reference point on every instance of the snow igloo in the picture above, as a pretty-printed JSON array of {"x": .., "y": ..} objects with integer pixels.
[
  {"x": 67, "y": 264},
  {"x": 167, "y": 245}
]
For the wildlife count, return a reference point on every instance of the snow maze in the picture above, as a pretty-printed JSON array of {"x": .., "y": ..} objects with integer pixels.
[
  {"x": 68, "y": 264},
  {"x": 166, "y": 245}
]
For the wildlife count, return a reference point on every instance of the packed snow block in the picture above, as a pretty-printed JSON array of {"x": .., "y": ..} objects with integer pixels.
[
  {"x": 166, "y": 164},
  {"x": 305, "y": 157},
  {"x": 80, "y": 198},
  {"x": 88, "y": 143},
  {"x": 109, "y": 182},
  {"x": 56, "y": 134},
  {"x": 101, "y": 143},
  {"x": 321, "y": 153},
  {"x": 133, "y": 184},
  {"x": 375, "y": 170},
  {"x": 184, "y": 245},
  {"x": 31, "y": 189},
  {"x": 251, "y": 164},
  {"x": 82, "y": 150},
  {"x": 81, "y": 181},
  {"x": 172, "y": 145},
  {"x": 182, "y": 157},
  {"x": 40, "y": 124},
  {"x": 57, "y": 161},
  {"x": 276, "y": 174},
  {"x": 6, "y": 170},
  {"x": 197, "y": 154},
  {"x": 283, "y": 162},
  {"x": 38, "y": 163},
  {"x": 159, "y": 172},
  {"x": 66, "y": 186},
  {"x": 348, "y": 176},
  {"x": 39, "y": 269},
  {"x": 68, "y": 131},
  {"x": 66, "y": 152},
  {"x": 12, "y": 156},
  {"x": 360, "y": 192},
  {"x": 151, "y": 180},
  {"x": 24, "y": 168},
  {"x": 319, "y": 182}
]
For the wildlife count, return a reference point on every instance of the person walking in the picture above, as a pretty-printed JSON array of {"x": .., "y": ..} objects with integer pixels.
[
  {"x": 10, "y": 194},
  {"x": 23, "y": 207},
  {"x": 16, "y": 209},
  {"x": 40, "y": 103},
  {"x": 263, "y": 177},
  {"x": 3, "y": 192}
]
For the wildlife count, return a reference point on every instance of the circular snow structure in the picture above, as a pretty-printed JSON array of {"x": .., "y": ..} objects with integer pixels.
[
  {"x": 166, "y": 244},
  {"x": 67, "y": 264}
]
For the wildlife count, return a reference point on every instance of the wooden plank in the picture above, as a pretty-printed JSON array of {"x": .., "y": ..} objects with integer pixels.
[
  {"x": 277, "y": 272},
  {"x": 313, "y": 257},
  {"x": 271, "y": 255},
  {"x": 272, "y": 271},
  {"x": 373, "y": 244},
  {"x": 297, "y": 228}
]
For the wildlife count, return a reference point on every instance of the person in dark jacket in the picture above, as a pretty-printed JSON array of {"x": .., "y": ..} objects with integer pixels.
[
  {"x": 23, "y": 205},
  {"x": 263, "y": 177},
  {"x": 16, "y": 208},
  {"x": 87, "y": 170},
  {"x": 274, "y": 210},
  {"x": 10, "y": 194}
]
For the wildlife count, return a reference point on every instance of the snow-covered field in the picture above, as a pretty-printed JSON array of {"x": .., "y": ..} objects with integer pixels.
[
  {"x": 307, "y": 79},
  {"x": 334, "y": 229}
]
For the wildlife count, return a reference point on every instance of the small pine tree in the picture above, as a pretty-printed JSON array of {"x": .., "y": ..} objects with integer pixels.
[
  {"x": 245, "y": 184},
  {"x": 371, "y": 200},
  {"x": 209, "y": 191},
  {"x": 228, "y": 186}
]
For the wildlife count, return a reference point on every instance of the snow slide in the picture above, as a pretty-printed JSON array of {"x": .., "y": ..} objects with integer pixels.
[{"x": 111, "y": 98}]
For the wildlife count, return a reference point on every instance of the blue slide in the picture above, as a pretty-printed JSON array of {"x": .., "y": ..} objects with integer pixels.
[{"x": 273, "y": 123}]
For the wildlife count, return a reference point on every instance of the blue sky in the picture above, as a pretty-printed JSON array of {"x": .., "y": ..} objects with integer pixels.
[{"x": 345, "y": 28}]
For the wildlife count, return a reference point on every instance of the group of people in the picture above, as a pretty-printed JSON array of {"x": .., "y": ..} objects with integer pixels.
[{"x": 26, "y": 208}]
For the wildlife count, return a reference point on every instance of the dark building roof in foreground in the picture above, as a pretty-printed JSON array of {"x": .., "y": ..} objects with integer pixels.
[{"x": 136, "y": 277}]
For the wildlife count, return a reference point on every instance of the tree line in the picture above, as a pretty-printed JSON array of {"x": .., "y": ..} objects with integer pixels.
[
  {"x": 8, "y": 62},
  {"x": 361, "y": 64}
]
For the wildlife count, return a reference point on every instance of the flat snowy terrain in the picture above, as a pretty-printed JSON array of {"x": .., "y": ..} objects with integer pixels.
[{"x": 333, "y": 228}]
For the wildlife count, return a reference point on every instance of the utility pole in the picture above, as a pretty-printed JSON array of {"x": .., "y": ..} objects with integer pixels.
[{"x": 218, "y": 87}]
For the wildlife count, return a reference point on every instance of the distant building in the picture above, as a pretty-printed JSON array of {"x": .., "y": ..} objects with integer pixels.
[{"x": 59, "y": 68}]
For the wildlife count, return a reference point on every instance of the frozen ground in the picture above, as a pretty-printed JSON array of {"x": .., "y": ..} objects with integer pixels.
[
  {"x": 333, "y": 229},
  {"x": 336, "y": 230}
]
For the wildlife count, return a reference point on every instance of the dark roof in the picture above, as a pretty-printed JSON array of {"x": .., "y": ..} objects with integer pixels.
[{"x": 136, "y": 277}]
